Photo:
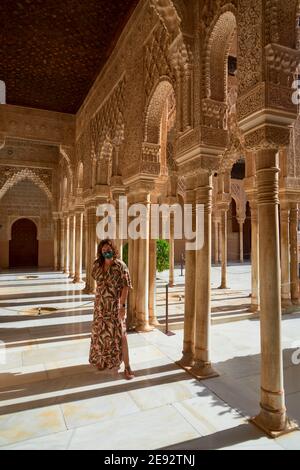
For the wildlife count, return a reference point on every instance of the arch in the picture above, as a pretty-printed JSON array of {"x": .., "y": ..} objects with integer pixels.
[
  {"x": 22, "y": 175},
  {"x": 23, "y": 245},
  {"x": 234, "y": 215},
  {"x": 33, "y": 219},
  {"x": 217, "y": 49},
  {"x": 65, "y": 154},
  {"x": 154, "y": 111},
  {"x": 104, "y": 163}
]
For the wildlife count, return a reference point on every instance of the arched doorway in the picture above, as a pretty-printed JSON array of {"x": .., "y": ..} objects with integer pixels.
[{"x": 23, "y": 246}]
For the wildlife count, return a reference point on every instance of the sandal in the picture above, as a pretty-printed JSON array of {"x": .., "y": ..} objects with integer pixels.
[{"x": 129, "y": 375}]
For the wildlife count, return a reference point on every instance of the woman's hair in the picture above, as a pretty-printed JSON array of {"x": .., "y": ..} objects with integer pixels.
[{"x": 111, "y": 243}]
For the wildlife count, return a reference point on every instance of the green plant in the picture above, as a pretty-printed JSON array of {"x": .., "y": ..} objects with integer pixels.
[{"x": 162, "y": 255}]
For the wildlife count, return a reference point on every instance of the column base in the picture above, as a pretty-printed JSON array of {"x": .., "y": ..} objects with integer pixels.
[
  {"x": 187, "y": 361},
  {"x": 71, "y": 275},
  {"x": 203, "y": 370},
  {"x": 131, "y": 327},
  {"x": 285, "y": 303},
  {"x": 223, "y": 286},
  {"x": 66, "y": 272},
  {"x": 154, "y": 322},
  {"x": 254, "y": 308},
  {"x": 86, "y": 289},
  {"x": 77, "y": 280},
  {"x": 289, "y": 427},
  {"x": 144, "y": 328}
]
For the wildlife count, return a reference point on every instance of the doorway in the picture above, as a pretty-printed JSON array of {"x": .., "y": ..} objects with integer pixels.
[{"x": 23, "y": 246}]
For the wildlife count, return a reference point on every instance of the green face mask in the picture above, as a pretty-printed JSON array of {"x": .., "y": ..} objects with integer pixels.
[{"x": 108, "y": 255}]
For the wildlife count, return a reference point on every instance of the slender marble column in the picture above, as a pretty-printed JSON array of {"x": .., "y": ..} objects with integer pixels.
[
  {"x": 142, "y": 298},
  {"x": 78, "y": 250},
  {"x": 294, "y": 253},
  {"x": 130, "y": 321},
  {"x": 67, "y": 246},
  {"x": 94, "y": 246},
  {"x": 152, "y": 283},
  {"x": 72, "y": 246},
  {"x": 62, "y": 245},
  {"x": 203, "y": 367},
  {"x": 171, "y": 252},
  {"x": 254, "y": 258},
  {"x": 216, "y": 250},
  {"x": 224, "y": 249},
  {"x": 188, "y": 352},
  {"x": 241, "y": 226},
  {"x": 285, "y": 255},
  {"x": 87, "y": 253},
  {"x": 272, "y": 418},
  {"x": 56, "y": 238}
]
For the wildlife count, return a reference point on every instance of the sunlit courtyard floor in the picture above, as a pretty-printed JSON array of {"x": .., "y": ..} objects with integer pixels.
[{"x": 51, "y": 398}]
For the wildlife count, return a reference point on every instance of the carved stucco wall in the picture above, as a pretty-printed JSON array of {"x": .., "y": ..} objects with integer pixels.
[
  {"x": 183, "y": 43},
  {"x": 26, "y": 199}
]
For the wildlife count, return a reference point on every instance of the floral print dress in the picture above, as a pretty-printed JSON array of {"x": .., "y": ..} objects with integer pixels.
[{"x": 107, "y": 328}]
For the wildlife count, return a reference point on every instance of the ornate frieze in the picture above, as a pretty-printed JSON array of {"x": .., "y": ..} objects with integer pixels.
[
  {"x": 251, "y": 102},
  {"x": 214, "y": 113},
  {"x": 9, "y": 176}
]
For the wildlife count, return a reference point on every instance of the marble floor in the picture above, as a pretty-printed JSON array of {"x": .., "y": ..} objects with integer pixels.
[{"x": 51, "y": 398}]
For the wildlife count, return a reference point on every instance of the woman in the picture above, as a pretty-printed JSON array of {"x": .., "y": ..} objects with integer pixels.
[{"x": 109, "y": 345}]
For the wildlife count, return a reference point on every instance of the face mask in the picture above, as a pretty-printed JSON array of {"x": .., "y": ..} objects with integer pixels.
[{"x": 108, "y": 255}]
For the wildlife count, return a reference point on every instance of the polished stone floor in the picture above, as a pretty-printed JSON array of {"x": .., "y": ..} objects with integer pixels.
[{"x": 51, "y": 398}]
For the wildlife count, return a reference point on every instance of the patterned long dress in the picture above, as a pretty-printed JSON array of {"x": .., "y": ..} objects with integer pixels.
[{"x": 107, "y": 328}]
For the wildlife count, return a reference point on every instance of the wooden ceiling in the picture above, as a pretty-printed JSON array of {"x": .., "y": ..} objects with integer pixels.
[{"x": 51, "y": 51}]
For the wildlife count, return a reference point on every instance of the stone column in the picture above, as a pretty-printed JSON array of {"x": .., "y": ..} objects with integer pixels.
[
  {"x": 152, "y": 283},
  {"x": 133, "y": 260},
  {"x": 224, "y": 248},
  {"x": 78, "y": 246},
  {"x": 220, "y": 241},
  {"x": 72, "y": 246},
  {"x": 294, "y": 253},
  {"x": 62, "y": 245},
  {"x": 93, "y": 247},
  {"x": 131, "y": 295},
  {"x": 254, "y": 258},
  {"x": 188, "y": 352},
  {"x": 87, "y": 252},
  {"x": 67, "y": 246},
  {"x": 203, "y": 367},
  {"x": 285, "y": 255},
  {"x": 142, "y": 297},
  {"x": 135, "y": 275},
  {"x": 216, "y": 250},
  {"x": 272, "y": 418},
  {"x": 171, "y": 252},
  {"x": 56, "y": 239},
  {"x": 117, "y": 193},
  {"x": 241, "y": 226}
]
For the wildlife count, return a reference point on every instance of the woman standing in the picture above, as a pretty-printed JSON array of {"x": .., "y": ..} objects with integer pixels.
[{"x": 109, "y": 347}]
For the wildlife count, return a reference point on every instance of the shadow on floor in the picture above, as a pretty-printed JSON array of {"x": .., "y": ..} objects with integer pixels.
[{"x": 222, "y": 439}]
